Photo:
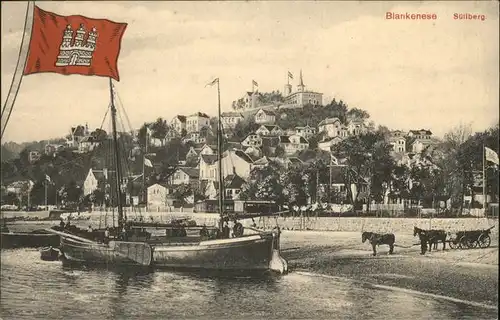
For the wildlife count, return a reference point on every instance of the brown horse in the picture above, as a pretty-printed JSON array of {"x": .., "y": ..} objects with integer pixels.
[
  {"x": 377, "y": 239},
  {"x": 432, "y": 237}
]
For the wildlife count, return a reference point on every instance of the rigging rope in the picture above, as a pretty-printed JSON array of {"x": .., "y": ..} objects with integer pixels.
[{"x": 18, "y": 74}]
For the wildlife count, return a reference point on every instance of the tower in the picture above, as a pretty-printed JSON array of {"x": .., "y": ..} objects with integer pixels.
[
  {"x": 288, "y": 89},
  {"x": 67, "y": 37},
  {"x": 92, "y": 39},
  {"x": 301, "y": 86},
  {"x": 80, "y": 33}
]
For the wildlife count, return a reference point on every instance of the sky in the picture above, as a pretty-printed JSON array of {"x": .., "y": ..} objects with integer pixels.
[{"x": 432, "y": 74}]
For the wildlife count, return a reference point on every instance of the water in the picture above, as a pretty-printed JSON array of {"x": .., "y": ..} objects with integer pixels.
[{"x": 35, "y": 289}]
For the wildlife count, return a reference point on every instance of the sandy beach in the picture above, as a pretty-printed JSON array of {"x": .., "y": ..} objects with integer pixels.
[{"x": 470, "y": 275}]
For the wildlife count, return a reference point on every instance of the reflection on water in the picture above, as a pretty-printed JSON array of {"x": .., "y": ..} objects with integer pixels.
[{"x": 35, "y": 289}]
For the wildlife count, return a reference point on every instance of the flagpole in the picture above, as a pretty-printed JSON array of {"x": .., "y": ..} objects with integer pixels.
[
  {"x": 117, "y": 157},
  {"x": 144, "y": 168},
  {"x": 484, "y": 182},
  {"x": 46, "y": 201},
  {"x": 219, "y": 143},
  {"x": 21, "y": 63}
]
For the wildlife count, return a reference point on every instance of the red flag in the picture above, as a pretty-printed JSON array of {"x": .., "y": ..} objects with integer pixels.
[{"x": 74, "y": 45}]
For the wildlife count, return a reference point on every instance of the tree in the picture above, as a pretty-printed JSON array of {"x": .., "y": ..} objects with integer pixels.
[
  {"x": 238, "y": 104},
  {"x": 192, "y": 160},
  {"x": 99, "y": 135},
  {"x": 159, "y": 130},
  {"x": 338, "y": 109},
  {"x": 10, "y": 198},
  {"x": 244, "y": 128},
  {"x": 368, "y": 157},
  {"x": 356, "y": 113},
  {"x": 279, "y": 152},
  {"x": 182, "y": 192},
  {"x": 265, "y": 183}
]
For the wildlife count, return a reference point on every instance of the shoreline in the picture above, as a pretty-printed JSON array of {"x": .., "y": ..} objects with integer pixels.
[{"x": 469, "y": 275}]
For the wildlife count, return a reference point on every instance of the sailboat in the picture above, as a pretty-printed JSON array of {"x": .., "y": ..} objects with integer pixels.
[
  {"x": 257, "y": 251},
  {"x": 130, "y": 243}
]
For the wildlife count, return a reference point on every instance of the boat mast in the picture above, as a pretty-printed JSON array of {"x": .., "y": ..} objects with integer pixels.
[
  {"x": 18, "y": 73},
  {"x": 219, "y": 155},
  {"x": 117, "y": 156}
]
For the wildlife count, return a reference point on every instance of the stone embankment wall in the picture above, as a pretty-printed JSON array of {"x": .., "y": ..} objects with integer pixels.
[{"x": 393, "y": 225}]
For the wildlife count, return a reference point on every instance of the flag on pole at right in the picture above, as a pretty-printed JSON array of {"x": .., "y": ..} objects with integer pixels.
[
  {"x": 254, "y": 83},
  {"x": 290, "y": 75},
  {"x": 216, "y": 80},
  {"x": 491, "y": 155}
]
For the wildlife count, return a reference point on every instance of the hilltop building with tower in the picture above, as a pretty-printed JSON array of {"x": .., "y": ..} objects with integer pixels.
[
  {"x": 252, "y": 101},
  {"x": 301, "y": 97}
]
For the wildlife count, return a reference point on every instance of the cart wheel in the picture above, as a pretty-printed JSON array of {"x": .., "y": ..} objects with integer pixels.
[
  {"x": 484, "y": 241},
  {"x": 462, "y": 243},
  {"x": 453, "y": 244},
  {"x": 471, "y": 244}
]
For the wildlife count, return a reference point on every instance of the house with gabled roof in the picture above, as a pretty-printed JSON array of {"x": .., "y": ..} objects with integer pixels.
[
  {"x": 292, "y": 144},
  {"x": 419, "y": 145},
  {"x": 422, "y": 134},
  {"x": 184, "y": 175},
  {"x": 264, "y": 116},
  {"x": 332, "y": 127},
  {"x": 196, "y": 121},
  {"x": 254, "y": 152},
  {"x": 208, "y": 170},
  {"x": 306, "y": 131},
  {"x": 327, "y": 143},
  {"x": 233, "y": 162},
  {"x": 178, "y": 123},
  {"x": 157, "y": 196},
  {"x": 93, "y": 179},
  {"x": 252, "y": 140},
  {"x": 398, "y": 142},
  {"x": 232, "y": 186},
  {"x": 260, "y": 163},
  {"x": 269, "y": 130},
  {"x": 231, "y": 119},
  {"x": 87, "y": 144}
]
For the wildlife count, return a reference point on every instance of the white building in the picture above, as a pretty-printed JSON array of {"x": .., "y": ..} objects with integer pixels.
[
  {"x": 302, "y": 96},
  {"x": 157, "y": 196},
  {"x": 196, "y": 121},
  {"x": 231, "y": 119},
  {"x": 178, "y": 123},
  {"x": 265, "y": 117}
]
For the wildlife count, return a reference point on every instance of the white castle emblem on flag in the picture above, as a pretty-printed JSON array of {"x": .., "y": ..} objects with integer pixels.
[{"x": 79, "y": 52}]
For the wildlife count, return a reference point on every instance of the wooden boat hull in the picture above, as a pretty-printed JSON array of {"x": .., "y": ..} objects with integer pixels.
[
  {"x": 115, "y": 252},
  {"x": 249, "y": 253},
  {"x": 28, "y": 240}
]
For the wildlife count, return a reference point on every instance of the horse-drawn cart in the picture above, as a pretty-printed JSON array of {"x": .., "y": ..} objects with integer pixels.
[{"x": 471, "y": 239}]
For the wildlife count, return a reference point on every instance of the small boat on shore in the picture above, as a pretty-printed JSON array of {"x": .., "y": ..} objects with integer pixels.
[{"x": 49, "y": 254}]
